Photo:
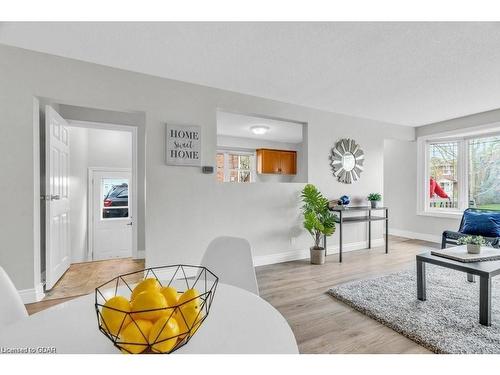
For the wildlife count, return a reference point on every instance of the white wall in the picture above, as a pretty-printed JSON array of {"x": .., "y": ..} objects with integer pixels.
[
  {"x": 185, "y": 208},
  {"x": 91, "y": 148},
  {"x": 250, "y": 144},
  {"x": 400, "y": 195}
]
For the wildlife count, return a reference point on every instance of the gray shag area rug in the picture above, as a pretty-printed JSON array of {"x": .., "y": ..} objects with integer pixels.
[{"x": 448, "y": 322}]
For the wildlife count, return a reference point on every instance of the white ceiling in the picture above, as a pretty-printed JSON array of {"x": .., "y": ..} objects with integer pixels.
[
  {"x": 236, "y": 125},
  {"x": 404, "y": 73}
]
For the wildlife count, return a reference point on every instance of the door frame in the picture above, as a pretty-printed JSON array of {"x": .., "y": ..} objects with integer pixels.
[
  {"x": 90, "y": 209},
  {"x": 133, "y": 130}
]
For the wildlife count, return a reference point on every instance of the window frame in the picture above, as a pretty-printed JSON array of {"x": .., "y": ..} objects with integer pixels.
[
  {"x": 227, "y": 169},
  {"x": 423, "y": 173}
]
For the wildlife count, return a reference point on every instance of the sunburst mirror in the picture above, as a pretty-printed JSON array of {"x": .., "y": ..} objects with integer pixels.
[{"x": 347, "y": 160}]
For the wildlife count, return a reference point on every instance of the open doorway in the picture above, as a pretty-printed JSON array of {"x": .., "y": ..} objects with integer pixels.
[{"x": 89, "y": 219}]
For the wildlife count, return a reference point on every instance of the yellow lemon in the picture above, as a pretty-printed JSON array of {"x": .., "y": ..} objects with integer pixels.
[
  {"x": 188, "y": 318},
  {"x": 112, "y": 319},
  {"x": 170, "y": 294},
  {"x": 134, "y": 337},
  {"x": 163, "y": 335},
  {"x": 148, "y": 300},
  {"x": 146, "y": 284},
  {"x": 192, "y": 296}
]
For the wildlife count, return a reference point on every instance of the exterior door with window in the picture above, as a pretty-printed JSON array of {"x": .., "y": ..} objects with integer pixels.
[{"x": 111, "y": 234}]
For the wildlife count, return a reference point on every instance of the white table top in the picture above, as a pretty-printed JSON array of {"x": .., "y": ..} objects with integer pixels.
[{"x": 239, "y": 323}]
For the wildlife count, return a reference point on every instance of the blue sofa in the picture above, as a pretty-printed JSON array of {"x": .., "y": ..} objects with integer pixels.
[{"x": 475, "y": 222}]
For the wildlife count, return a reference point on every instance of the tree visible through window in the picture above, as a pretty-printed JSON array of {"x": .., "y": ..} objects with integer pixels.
[{"x": 484, "y": 172}]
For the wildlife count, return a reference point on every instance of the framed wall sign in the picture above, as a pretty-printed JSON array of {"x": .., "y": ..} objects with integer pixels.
[{"x": 183, "y": 145}]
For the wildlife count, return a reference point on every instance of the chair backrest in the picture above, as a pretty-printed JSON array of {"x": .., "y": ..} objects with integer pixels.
[
  {"x": 11, "y": 305},
  {"x": 230, "y": 259}
]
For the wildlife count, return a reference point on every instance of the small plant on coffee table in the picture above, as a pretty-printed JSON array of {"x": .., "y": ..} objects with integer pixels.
[{"x": 472, "y": 240}]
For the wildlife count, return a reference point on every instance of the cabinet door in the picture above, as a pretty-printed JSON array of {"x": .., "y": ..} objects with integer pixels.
[
  {"x": 288, "y": 162},
  {"x": 268, "y": 161}
]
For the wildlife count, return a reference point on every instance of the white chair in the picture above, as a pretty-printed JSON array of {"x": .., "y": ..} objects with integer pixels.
[
  {"x": 230, "y": 258},
  {"x": 11, "y": 305}
]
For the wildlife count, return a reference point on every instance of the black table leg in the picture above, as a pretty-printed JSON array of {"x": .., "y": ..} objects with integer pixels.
[
  {"x": 386, "y": 231},
  {"x": 485, "y": 300},
  {"x": 324, "y": 245},
  {"x": 340, "y": 237},
  {"x": 421, "y": 292},
  {"x": 369, "y": 229}
]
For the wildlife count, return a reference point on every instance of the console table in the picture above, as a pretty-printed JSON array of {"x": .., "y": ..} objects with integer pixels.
[{"x": 366, "y": 217}]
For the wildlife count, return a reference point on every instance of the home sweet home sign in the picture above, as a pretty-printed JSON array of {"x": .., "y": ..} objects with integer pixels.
[{"x": 183, "y": 145}]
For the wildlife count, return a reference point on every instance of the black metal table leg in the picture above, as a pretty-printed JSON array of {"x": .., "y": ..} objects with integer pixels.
[
  {"x": 386, "y": 231},
  {"x": 340, "y": 237},
  {"x": 369, "y": 229},
  {"x": 485, "y": 300},
  {"x": 421, "y": 287}
]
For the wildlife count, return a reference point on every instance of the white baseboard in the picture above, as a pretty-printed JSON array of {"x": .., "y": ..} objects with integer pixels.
[
  {"x": 141, "y": 254},
  {"x": 32, "y": 295},
  {"x": 288, "y": 256},
  {"x": 414, "y": 235}
]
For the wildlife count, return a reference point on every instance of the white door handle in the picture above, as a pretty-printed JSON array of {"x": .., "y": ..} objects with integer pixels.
[{"x": 130, "y": 223}]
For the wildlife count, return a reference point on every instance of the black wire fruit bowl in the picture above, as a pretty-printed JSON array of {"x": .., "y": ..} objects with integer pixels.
[{"x": 155, "y": 310}]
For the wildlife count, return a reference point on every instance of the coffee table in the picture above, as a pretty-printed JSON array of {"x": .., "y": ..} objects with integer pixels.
[{"x": 486, "y": 270}]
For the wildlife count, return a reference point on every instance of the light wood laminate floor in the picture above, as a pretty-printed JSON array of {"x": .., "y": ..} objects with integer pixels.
[{"x": 321, "y": 324}]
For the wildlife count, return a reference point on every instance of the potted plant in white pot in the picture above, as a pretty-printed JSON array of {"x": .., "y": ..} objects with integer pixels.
[
  {"x": 319, "y": 221},
  {"x": 473, "y": 243},
  {"x": 374, "y": 199}
]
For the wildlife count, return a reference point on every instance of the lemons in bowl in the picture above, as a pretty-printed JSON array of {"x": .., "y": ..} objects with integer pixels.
[
  {"x": 155, "y": 317},
  {"x": 114, "y": 314}
]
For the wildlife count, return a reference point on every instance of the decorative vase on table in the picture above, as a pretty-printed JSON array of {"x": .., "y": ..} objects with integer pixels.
[
  {"x": 473, "y": 249},
  {"x": 344, "y": 200},
  {"x": 374, "y": 199}
]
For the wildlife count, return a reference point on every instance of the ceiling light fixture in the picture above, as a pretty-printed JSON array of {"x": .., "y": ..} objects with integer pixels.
[{"x": 259, "y": 129}]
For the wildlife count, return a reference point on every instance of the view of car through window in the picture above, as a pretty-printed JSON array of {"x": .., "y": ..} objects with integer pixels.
[{"x": 115, "y": 203}]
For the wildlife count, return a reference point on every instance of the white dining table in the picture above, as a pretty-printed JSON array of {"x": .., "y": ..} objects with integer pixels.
[{"x": 239, "y": 322}]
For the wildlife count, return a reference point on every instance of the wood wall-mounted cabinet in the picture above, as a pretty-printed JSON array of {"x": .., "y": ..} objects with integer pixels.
[{"x": 276, "y": 161}]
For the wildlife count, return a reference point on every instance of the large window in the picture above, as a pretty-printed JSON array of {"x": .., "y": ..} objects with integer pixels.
[
  {"x": 235, "y": 166},
  {"x": 484, "y": 172},
  {"x": 462, "y": 172}
]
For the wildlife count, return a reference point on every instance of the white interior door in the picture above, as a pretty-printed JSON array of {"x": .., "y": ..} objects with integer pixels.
[
  {"x": 112, "y": 219},
  {"x": 57, "y": 215}
]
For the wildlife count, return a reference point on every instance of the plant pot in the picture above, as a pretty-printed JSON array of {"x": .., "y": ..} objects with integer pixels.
[
  {"x": 473, "y": 249},
  {"x": 317, "y": 255},
  {"x": 374, "y": 204}
]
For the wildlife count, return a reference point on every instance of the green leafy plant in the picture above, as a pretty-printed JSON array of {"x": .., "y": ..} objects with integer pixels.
[
  {"x": 374, "y": 197},
  {"x": 472, "y": 240},
  {"x": 318, "y": 219}
]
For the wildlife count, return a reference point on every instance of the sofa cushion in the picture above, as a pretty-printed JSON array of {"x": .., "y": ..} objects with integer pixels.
[{"x": 486, "y": 224}]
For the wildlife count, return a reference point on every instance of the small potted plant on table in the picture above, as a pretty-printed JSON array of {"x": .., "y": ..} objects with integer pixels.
[
  {"x": 319, "y": 221},
  {"x": 473, "y": 243},
  {"x": 374, "y": 199}
]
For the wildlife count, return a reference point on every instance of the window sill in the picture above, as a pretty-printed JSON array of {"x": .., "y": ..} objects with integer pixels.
[{"x": 442, "y": 214}]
